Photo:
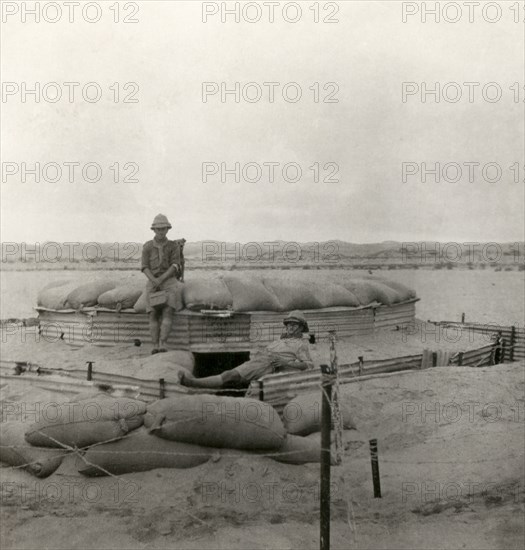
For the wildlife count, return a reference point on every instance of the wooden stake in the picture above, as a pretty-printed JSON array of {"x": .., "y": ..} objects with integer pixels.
[
  {"x": 326, "y": 424},
  {"x": 375, "y": 468},
  {"x": 90, "y": 370}
]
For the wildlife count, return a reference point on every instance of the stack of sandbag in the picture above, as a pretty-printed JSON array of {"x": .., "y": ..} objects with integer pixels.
[
  {"x": 250, "y": 294},
  {"x": 85, "y": 422},
  {"x": 293, "y": 294},
  {"x": 299, "y": 450},
  {"x": 54, "y": 295},
  {"x": 87, "y": 295},
  {"x": 302, "y": 415},
  {"x": 210, "y": 293},
  {"x": 15, "y": 451},
  {"x": 330, "y": 295},
  {"x": 404, "y": 292},
  {"x": 216, "y": 421},
  {"x": 165, "y": 365},
  {"x": 138, "y": 452},
  {"x": 184, "y": 432},
  {"x": 368, "y": 291},
  {"x": 123, "y": 296},
  {"x": 243, "y": 292}
]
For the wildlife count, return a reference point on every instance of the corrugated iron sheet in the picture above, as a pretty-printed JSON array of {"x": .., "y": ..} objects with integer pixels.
[{"x": 201, "y": 333}]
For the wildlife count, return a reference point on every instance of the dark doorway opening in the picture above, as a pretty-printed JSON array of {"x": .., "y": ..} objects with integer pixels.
[{"x": 210, "y": 364}]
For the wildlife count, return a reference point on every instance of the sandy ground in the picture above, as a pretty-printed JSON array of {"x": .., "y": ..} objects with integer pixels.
[
  {"x": 451, "y": 454},
  {"x": 23, "y": 344}
]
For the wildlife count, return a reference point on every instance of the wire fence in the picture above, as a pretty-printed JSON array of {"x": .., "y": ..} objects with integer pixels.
[{"x": 274, "y": 390}]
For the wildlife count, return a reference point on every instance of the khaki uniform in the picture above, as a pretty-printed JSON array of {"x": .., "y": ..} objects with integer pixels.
[
  {"x": 286, "y": 349},
  {"x": 158, "y": 258}
]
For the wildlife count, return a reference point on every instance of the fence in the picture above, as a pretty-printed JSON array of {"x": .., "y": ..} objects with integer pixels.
[
  {"x": 276, "y": 389},
  {"x": 279, "y": 389},
  {"x": 513, "y": 336}
]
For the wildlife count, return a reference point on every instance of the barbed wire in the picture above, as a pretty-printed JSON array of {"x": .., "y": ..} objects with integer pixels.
[{"x": 213, "y": 450}]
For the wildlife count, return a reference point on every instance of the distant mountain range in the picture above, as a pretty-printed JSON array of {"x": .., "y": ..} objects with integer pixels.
[{"x": 336, "y": 253}]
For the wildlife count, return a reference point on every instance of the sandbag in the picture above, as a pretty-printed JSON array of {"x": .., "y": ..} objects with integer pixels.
[
  {"x": 141, "y": 304},
  {"x": 55, "y": 297},
  {"x": 207, "y": 294},
  {"x": 302, "y": 415},
  {"x": 298, "y": 450},
  {"x": 293, "y": 294},
  {"x": 216, "y": 421},
  {"x": 86, "y": 422},
  {"x": 316, "y": 437},
  {"x": 122, "y": 296},
  {"x": 368, "y": 291},
  {"x": 141, "y": 451},
  {"x": 332, "y": 295},
  {"x": 404, "y": 293},
  {"x": 249, "y": 294},
  {"x": 15, "y": 451},
  {"x": 385, "y": 294},
  {"x": 87, "y": 295}
]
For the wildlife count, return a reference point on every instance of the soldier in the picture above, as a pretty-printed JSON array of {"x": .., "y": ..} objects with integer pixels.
[
  {"x": 163, "y": 265},
  {"x": 290, "y": 353}
]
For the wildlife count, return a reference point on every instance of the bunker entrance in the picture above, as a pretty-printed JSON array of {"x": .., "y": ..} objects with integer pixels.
[{"x": 210, "y": 364}]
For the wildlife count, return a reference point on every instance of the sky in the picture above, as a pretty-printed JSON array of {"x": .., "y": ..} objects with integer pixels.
[{"x": 364, "y": 141}]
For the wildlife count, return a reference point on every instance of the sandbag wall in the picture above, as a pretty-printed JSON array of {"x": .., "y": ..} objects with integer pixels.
[
  {"x": 113, "y": 436},
  {"x": 239, "y": 293},
  {"x": 355, "y": 307}
]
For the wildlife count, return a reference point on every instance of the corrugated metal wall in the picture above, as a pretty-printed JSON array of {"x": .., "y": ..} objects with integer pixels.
[{"x": 200, "y": 333}]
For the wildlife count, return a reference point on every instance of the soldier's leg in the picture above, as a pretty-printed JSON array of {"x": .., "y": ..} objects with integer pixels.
[
  {"x": 165, "y": 327},
  {"x": 154, "y": 329}
]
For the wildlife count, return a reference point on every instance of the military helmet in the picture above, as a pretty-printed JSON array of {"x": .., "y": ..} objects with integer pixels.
[{"x": 297, "y": 317}]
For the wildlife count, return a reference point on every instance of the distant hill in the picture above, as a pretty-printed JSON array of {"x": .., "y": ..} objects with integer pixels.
[{"x": 231, "y": 255}]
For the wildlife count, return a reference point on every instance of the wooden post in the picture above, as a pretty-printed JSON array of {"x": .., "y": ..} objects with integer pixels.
[
  {"x": 162, "y": 388},
  {"x": 361, "y": 362},
  {"x": 493, "y": 354},
  {"x": 337, "y": 420},
  {"x": 374, "y": 459},
  {"x": 326, "y": 424},
  {"x": 512, "y": 342},
  {"x": 434, "y": 358},
  {"x": 460, "y": 359},
  {"x": 462, "y": 317},
  {"x": 261, "y": 390},
  {"x": 90, "y": 370}
]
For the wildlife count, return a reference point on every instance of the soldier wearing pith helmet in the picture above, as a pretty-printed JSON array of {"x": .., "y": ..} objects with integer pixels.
[{"x": 163, "y": 265}]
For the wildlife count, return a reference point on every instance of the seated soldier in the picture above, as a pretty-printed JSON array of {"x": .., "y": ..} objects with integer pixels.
[
  {"x": 163, "y": 265},
  {"x": 287, "y": 354}
]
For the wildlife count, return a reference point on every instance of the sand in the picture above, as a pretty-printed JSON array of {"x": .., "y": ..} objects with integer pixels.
[{"x": 453, "y": 478}]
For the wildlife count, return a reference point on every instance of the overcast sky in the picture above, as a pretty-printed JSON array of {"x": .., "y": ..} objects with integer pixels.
[{"x": 368, "y": 134}]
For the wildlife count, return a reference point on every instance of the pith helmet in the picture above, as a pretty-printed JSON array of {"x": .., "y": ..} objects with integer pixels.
[
  {"x": 160, "y": 221},
  {"x": 297, "y": 317}
]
